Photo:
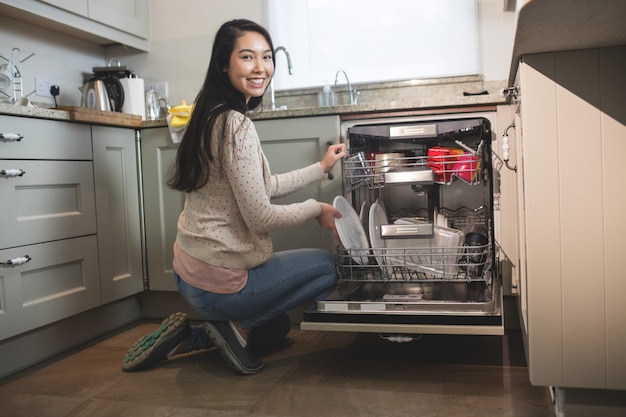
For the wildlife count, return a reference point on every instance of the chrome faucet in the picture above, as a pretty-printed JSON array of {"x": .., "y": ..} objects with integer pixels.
[
  {"x": 272, "y": 98},
  {"x": 353, "y": 94}
]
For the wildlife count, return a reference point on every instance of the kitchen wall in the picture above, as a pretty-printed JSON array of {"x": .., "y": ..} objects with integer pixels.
[
  {"x": 182, "y": 36},
  {"x": 497, "y": 35},
  {"x": 181, "y": 42},
  {"x": 61, "y": 58}
]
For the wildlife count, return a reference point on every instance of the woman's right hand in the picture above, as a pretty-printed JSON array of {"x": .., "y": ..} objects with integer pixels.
[
  {"x": 327, "y": 217},
  {"x": 334, "y": 153}
]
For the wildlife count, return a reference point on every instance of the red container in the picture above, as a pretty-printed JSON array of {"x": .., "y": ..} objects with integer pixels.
[
  {"x": 466, "y": 167},
  {"x": 441, "y": 160}
]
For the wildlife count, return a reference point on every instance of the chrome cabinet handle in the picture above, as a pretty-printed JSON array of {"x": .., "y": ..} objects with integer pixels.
[
  {"x": 11, "y": 136},
  {"x": 12, "y": 172},
  {"x": 16, "y": 261}
]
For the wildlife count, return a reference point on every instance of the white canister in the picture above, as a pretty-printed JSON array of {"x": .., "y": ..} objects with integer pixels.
[{"x": 134, "y": 97}]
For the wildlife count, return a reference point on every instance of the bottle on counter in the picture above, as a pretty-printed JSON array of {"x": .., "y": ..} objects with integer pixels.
[{"x": 326, "y": 97}]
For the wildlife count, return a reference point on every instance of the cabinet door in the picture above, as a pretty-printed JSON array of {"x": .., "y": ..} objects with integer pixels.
[
  {"x": 60, "y": 280},
  {"x": 163, "y": 206},
  {"x": 75, "y": 6},
  {"x": 101, "y": 22},
  {"x": 573, "y": 130},
  {"x": 130, "y": 16},
  {"x": 50, "y": 200},
  {"x": 119, "y": 218},
  {"x": 44, "y": 139},
  {"x": 294, "y": 143}
]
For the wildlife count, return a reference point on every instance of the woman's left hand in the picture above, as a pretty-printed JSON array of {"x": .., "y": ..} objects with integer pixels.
[
  {"x": 327, "y": 217},
  {"x": 334, "y": 153}
]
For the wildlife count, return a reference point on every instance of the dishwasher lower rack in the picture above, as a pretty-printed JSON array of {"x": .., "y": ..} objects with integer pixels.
[{"x": 415, "y": 264}]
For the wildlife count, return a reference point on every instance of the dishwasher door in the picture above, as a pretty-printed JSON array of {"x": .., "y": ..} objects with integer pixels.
[
  {"x": 423, "y": 272},
  {"x": 402, "y": 309}
]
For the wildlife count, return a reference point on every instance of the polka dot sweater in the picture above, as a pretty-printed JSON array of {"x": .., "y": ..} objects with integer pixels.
[{"x": 227, "y": 222}]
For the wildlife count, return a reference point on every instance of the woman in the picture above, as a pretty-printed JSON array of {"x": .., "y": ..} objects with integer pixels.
[{"x": 223, "y": 260}]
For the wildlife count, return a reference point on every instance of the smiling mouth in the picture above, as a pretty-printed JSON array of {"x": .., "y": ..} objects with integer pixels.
[{"x": 258, "y": 82}]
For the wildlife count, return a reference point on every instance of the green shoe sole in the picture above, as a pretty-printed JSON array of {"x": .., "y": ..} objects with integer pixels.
[{"x": 156, "y": 345}]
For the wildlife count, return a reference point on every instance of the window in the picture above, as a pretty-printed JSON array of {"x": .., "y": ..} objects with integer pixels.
[{"x": 373, "y": 40}]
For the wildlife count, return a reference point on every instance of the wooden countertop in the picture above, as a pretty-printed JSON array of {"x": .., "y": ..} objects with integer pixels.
[
  {"x": 555, "y": 25},
  {"x": 81, "y": 115}
]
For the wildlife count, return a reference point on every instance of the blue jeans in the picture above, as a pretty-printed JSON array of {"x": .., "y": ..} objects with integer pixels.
[{"x": 288, "y": 279}]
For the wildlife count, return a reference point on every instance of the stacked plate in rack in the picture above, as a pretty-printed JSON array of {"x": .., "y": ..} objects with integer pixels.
[{"x": 351, "y": 231}]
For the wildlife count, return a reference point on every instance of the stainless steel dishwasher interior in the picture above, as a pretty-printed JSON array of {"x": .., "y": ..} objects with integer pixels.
[{"x": 422, "y": 271}]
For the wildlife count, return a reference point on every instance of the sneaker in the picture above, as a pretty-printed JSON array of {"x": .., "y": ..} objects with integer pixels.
[
  {"x": 236, "y": 356},
  {"x": 157, "y": 345}
]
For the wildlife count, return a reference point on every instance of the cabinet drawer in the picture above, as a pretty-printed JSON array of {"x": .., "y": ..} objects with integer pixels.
[
  {"x": 51, "y": 200},
  {"x": 60, "y": 280},
  {"x": 44, "y": 139}
]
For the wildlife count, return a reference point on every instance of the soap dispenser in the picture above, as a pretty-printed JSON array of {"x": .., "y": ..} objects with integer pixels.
[{"x": 326, "y": 97}]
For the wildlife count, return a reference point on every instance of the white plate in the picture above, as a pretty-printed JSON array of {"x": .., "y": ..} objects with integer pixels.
[
  {"x": 351, "y": 231},
  {"x": 364, "y": 215},
  {"x": 377, "y": 217}
]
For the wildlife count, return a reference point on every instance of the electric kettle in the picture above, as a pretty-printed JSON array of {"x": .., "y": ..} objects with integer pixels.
[
  {"x": 95, "y": 96},
  {"x": 104, "y": 91}
]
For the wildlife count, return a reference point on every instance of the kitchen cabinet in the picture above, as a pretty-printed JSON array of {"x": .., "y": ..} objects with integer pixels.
[
  {"x": 570, "y": 140},
  {"x": 287, "y": 143},
  {"x": 78, "y": 7},
  {"x": 294, "y": 143},
  {"x": 51, "y": 200},
  {"x": 130, "y": 16},
  {"x": 163, "y": 206},
  {"x": 507, "y": 203},
  {"x": 48, "y": 249},
  {"x": 119, "y": 217},
  {"x": 126, "y": 22},
  {"x": 59, "y": 281}
]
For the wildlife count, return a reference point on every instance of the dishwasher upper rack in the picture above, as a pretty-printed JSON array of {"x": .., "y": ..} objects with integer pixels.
[
  {"x": 415, "y": 264},
  {"x": 370, "y": 170}
]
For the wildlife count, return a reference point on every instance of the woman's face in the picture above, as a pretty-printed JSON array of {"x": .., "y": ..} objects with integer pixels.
[{"x": 251, "y": 67}]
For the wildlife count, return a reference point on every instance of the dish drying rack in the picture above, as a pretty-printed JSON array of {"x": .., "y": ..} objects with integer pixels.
[{"x": 15, "y": 68}]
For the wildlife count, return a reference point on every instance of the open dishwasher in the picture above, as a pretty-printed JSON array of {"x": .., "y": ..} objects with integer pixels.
[{"x": 418, "y": 251}]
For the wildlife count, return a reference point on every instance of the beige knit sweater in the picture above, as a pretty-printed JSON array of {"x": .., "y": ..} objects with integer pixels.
[{"x": 227, "y": 222}]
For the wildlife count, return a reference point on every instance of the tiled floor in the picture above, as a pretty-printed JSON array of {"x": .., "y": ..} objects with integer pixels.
[{"x": 320, "y": 375}]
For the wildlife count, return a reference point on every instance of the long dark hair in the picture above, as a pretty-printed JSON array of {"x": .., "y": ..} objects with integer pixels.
[{"x": 217, "y": 96}]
